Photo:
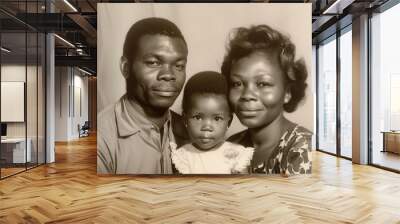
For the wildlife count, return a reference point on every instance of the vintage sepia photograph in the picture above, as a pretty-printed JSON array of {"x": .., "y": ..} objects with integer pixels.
[{"x": 204, "y": 89}]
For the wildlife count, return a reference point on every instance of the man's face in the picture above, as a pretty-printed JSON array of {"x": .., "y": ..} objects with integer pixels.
[{"x": 158, "y": 70}]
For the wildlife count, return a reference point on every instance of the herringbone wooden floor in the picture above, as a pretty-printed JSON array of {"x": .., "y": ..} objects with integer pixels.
[{"x": 69, "y": 191}]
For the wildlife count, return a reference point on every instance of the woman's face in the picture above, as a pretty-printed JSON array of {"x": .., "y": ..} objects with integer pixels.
[{"x": 257, "y": 89}]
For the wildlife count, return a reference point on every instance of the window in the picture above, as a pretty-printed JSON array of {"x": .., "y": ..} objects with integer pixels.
[
  {"x": 346, "y": 93},
  {"x": 385, "y": 85},
  {"x": 326, "y": 105},
  {"x": 335, "y": 74}
]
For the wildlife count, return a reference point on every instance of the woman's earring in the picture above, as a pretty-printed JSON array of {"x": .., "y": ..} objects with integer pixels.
[{"x": 287, "y": 98}]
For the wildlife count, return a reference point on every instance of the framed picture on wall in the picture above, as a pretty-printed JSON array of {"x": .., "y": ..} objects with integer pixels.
[{"x": 13, "y": 99}]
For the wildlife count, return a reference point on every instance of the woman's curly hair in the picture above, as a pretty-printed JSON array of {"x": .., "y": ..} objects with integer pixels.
[{"x": 245, "y": 41}]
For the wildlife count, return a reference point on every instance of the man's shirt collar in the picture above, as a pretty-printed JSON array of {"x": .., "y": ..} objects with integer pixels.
[{"x": 130, "y": 120}]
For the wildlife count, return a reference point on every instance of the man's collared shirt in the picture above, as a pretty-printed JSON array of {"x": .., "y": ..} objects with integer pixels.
[{"x": 128, "y": 143}]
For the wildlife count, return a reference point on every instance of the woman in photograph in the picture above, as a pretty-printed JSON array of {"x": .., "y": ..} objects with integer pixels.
[{"x": 265, "y": 80}]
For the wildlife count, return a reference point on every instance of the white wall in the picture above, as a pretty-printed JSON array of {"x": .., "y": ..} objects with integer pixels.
[
  {"x": 80, "y": 84},
  {"x": 62, "y": 81},
  {"x": 70, "y": 81},
  {"x": 205, "y": 28}
]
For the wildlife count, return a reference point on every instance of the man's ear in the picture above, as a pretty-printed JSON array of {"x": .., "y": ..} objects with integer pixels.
[{"x": 124, "y": 67}]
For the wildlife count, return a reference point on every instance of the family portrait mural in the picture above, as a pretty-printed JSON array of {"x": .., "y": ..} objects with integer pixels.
[{"x": 204, "y": 89}]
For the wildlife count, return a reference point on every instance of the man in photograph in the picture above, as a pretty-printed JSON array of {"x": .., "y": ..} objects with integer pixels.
[{"x": 135, "y": 133}]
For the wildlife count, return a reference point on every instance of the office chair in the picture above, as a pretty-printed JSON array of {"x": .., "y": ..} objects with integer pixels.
[{"x": 84, "y": 130}]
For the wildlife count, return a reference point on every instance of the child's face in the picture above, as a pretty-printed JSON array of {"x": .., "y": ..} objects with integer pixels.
[
  {"x": 257, "y": 89},
  {"x": 207, "y": 120}
]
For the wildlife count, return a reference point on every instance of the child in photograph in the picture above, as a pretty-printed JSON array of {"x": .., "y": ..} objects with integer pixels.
[
  {"x": 207, "y": 116},
  {"x": 266, "y": 80}
]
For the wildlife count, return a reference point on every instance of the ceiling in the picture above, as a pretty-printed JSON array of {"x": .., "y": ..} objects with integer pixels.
[{"x": 76, "y": 22}]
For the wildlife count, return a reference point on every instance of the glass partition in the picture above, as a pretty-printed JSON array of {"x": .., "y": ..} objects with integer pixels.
[
  {"x": 41, "y": 96},
  {"x": 14, "y": 153},
  {"x": 31, "y": 99},
  {"x": 22, "y": 87}
]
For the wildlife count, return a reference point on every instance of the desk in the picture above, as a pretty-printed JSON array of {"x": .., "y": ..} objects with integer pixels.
[
  {"x": 391, "y": 141},
  {"x": 13, "y": 150}
]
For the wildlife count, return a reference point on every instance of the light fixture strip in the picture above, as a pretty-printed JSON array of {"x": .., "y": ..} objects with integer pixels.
[
  {"x": 70, "y": 5},
  {"x": 331, "y": 7},
  {"x": 64, "y": 40},
  {"x": 5, "y": 50},
  {"x": 86, "y": 72}
]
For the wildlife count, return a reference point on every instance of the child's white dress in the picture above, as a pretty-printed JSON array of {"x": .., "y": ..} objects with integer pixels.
[{"x": 226, "y": 159}]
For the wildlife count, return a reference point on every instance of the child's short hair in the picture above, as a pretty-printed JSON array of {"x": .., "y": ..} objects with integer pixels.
[{"x": 207, "y": 82}]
